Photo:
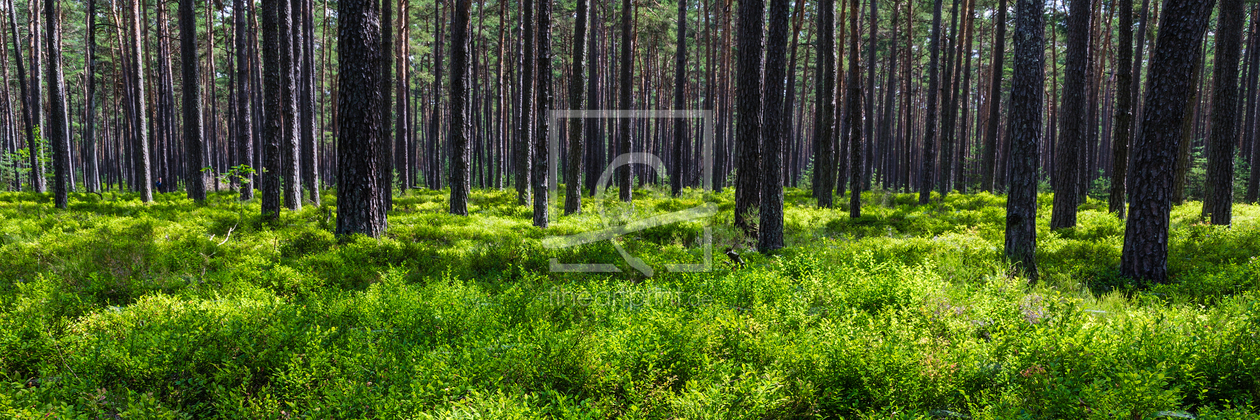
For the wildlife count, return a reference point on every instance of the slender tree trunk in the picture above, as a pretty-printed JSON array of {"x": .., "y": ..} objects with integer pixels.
[
  {"x": 624, "y": 89},
  {"x": 29, "y": 106},
  {"x": 854, "y": 114},
  {"x": 459, "y": 109},
  {"x": 1123, "y": 128},
  {"x": 524, "y": 142},
  {"x": 1024, "y": 127},
  {"x": 995, "y": 100},
  {"x": 824, "y": 124},
  {"x": 929, "y": 138},
  {"x": 91, "y": 171},
  {"x": 244, "y": 113},
  {"x": 1071, "y": 143},
  {"x": 577, "y": 82},
  {"x": 1145, "y": 253},
  {"x": 543, "y": 126},
  {"x": 58, "y": 133},
  {"x": 306, "y": 104},
  {"x": 143, "y": 181},
  {"x": 193, "y": 143},
  {"x": 680, "y": 81},
  {"x": 1220, "y": 178},
  {"x": 274, "y": 128}
]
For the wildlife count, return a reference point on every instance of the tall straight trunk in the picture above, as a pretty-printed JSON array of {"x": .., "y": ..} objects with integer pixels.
[
  {"x": 1253, "y": 181},
  {"x": 624, "y": 87},
  {"x": 774, "y": 131},
  {"x": 459, "y": 109},
  {"x": 91, "y": 171},
  {"x": 963, "y": 140},
  {"x": 748, "y": 109},
  {"x": 30, "y": 105},
  {"x": 306, "y": 102},
  {"x": 1135, "y": 95},
  {"x": 291, "y": 148},
  {"x": 1145, "y": 253},
  {"x": 359, "y": 207},
  {"x": 1024, "y": 128},
  {"x": 1123, "y": 128},
  {"x": 824, "y": 124},
  {"x": 949, "y": 103},
  {"x": 929, "y": 137},
  {"x": 244, "y": 113},
  {"x": 524, "y": 139},
  {"x": 990, "y": 166},
  {"x": 1182, "y": 162},
  {"x": 1219, "y": 200},
  {"x": 680, "y": 81},
  {"x": 433, "y": 176},
  {"x": 143, "y": 180},
  {"x": 1071, "y": 143},
  {"x": 888, "y": 120},
  {"x": 869, "y": 130},
  {"x": 274, "y": 128},
  {"x": 37, "y": 96},
  {"x": 594, "y": 132},
  {"x": 402, "y": 160},
  {"x": 193, "y": 143},
  {"x": 854, "y": 114},
  {"x": 577, "y": 82},
  {"x": 58, "y": 133},
  {"x": 385, "y": 161},
  {"x": 543, "y": 126}
]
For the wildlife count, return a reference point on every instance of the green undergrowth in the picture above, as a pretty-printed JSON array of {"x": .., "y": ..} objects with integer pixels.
[{"x": 180, "y": 310}]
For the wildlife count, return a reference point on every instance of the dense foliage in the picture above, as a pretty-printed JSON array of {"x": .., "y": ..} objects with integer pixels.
[{"x": 177, "y": 310}]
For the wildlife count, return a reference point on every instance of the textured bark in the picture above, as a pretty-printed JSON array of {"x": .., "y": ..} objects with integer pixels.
[
  {"x": 773, "y": 132},
  {"x": 290, "y": 149},
  {"x": 273, "y": 130},
  {"x": 58, "y": 132},
  {"x": 1024, "y": 127},
  {"x": 1123, "y": 128},
  {"x": 1145, "y": 253},
  {"x": 824, "y": 123},
  {"x": 143, "y": 181},
  {"x": 990, "y": 166},
  {"x": 524, "y": 139},
  {"x": 309, "y": 151},
  {"x": 1181, "y": 165},
  {"x": 623, "y": 89},
  {"x": 91, "y": 170},
  {"x": 386, "y": 160},
  {"x": 680, "y": 82},
  {"x": 1220, "y": 178},
  {"x": 577, "y": 84},
  {"x": 869, "y": 109},
  {"x": 748, "y": 110},
  {"x": 541, "y": 156},
  {"x": 244, "y": 112},
  {"x": 193, "y": 144},
  {"x": 929, "y": 136},
  {"x": 1072, "y": 138},
  {"x": 358, "y": 84},
  {"x": 460, "y": 123},
  {"x": 854, "y": 115},
  {"x": 37, "y": 97}
]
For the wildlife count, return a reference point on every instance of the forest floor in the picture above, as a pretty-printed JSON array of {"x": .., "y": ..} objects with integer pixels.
[{"x": 178, "y": 310}]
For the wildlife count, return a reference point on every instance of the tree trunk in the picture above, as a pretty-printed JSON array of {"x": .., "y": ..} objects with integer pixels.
[
  {"x": 748, "y": 109},
  {"x": 1024, "y": 128},
  {"x": 824, "y": 124},
  {"x": 995, "y": 101},
  {"x": 623, "y": 88},
  {"x": 359, "y": 207},
  {"x": 854, "y": 114},
  {"x": 1123, "y": 128},
  {"x": 774, "y": 131},
  {"x": 929, "y": 138},
  {"x": 193, "y": 143},
  {"x": 58, "y": 133},
  {"x": 1219, "y": 198},
  {"x": 525, "y": 142},
  {"x": 29, "y": 106},
  {"x": 577, "y": 82},
  {"x": 459, "y": 129},
  {"x": 680, "y": 81},
  {"x": 143, "y": 180},
  {"x": 306, "y": 104},
  {"x": 274, "y": 129},
  {"x": 1071, "y": 143},
  {"x": 1145, "y": 254}
]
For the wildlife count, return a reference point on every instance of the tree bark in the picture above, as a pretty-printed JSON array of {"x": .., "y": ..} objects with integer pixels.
[
  {"x": 680, "y": 82},
  {"x": 1219, "y": 199},
  {"x": 459, "y": 128},
  {"x": 193, "y": 143},
  {"x": 577, "y": 82},
  {"x": 929, "y": 137},
  {"x": 543, "y": 125},
  {"x": 274, "y": 129},
  {"x": 58, "y": 130},
  {"x": 773, "y": 132},
  {"x": 359, "y": 207},
  {"x": 1071, "y": 142},
  {"x": 1123, "y": 128},
  {"x": 623, "y": 88},
  {"x": 244, "y": 112},
  {"x": 854, "y": 114},
  {"x": 995, "y": 100},
  {"x": 824, "y": 124},
  {"x": 1024, "y": 128},
  {"x": 1145, "y": 253}
]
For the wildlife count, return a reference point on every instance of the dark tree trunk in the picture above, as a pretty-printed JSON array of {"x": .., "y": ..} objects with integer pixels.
[
  {"x": 773, "y": 132},
  {"x": 623, "y": 88},
  {"x": 854, "y": 114},
  {"x": 291, "y": 148},
  {"x": 1145, "y": 254},
  {"x": 459, "y": 129},
  {"x": 58, "y": 133},
  {"x": 680, "y": 82},
  {"x": 1123, "y": 129},
  {"x": 1220, "y": 178},
  {"x": 306, "y": 84},
  {"x": 37, "y": 96},
  {"x": 359, "y": 117},
  {"x": 193, "y": 144},
  {"x": 1071, "y": 142},
  {"x": 869, "y": 109},
  {"x": 995, "y": 100},
  {"x": 91, "y": 171},
  {"x": 929, "y": 137},
  {"x": 143, "y": 180},
  {"x": 1024, "y": 128},
  {"x": 824, "y": 124},
  {"x": 386, "y": 160},
  {"x": 524, "y": 140},
  {"x": 543, "y": 126},
  {"x": 577, "y": 82},
  {"x": 274, "y": 128},
  {"x": 244, "y": 113},
  {"x": 748, "y": 110},
  {"x": 1182, "y": 162},
  {"x": 30, "y": 105}
]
